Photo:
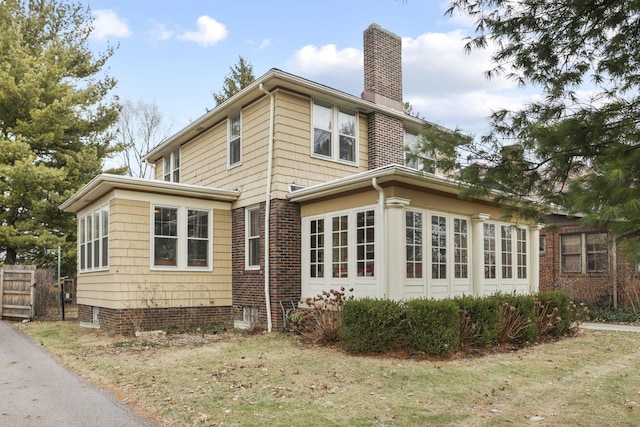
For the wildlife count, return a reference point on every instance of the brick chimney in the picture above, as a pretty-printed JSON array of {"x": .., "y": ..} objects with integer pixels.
[{"x": 383, "y": 86}]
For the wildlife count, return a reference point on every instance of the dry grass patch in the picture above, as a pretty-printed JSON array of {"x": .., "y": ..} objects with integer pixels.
[{"x": 273, "y": 379}]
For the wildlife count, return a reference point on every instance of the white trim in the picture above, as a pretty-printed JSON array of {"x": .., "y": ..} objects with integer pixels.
[{"x": 335, "y": 133}]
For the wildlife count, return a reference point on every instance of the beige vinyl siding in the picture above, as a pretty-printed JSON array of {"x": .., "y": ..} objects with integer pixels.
[{"x": 131, "y": 283}]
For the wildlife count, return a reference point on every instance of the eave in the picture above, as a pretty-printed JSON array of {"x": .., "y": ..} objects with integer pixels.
[
  {"x": 387, "y": 174},
  {"x": 274, "y": 79},
  {"x": 104, "y": 183}
]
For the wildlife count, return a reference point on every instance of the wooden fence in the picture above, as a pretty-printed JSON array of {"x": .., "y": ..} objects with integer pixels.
[{"x": 17, "y": 291}]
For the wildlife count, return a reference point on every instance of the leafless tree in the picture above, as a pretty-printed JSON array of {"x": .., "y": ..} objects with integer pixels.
[{"x": 140, "y": 128}]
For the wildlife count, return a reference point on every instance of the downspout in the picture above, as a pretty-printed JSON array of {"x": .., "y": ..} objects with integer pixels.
[
  {"x": 383, "y": 232},
  {"x": 267, "y": 211}
]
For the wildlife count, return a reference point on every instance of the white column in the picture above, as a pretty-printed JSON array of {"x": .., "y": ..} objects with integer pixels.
[
  {"x": 534, "y": 265},
  {"x": 477, "y": 252},
  {"x": 394, "y": 209}
]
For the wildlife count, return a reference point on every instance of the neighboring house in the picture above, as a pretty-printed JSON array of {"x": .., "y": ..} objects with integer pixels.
[
  {"x": 309, "y": 175},
  {"x": 587, "y": 263}
]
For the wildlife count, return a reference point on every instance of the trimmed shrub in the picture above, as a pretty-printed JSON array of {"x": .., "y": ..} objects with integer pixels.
[
  {"x": 479, "y": 320},
  {"x": 433, "y": 326},
  {"x": 517, "y": 319},
  {"x": 371, "y": 325},
  {"x": 553, "y": 314}
]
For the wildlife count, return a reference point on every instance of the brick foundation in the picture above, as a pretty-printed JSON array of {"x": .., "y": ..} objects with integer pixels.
[{"x": 127, "y": 321}]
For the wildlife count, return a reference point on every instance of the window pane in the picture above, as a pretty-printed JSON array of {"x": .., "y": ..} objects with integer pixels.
[
  {"x": 413, "y": 251},
  {"x": 322, "y": 128},
  {"x": 197, "y": 253},
  {"x": 460, "y": 248},
  {"x": 340, "y": 247},
  {"x": 166, "y": 251},
  {"x": 597, "y": 252},
  {"x": 571, "y": 254},
  {"x": 165, "y": 236},
  {"x": 347, "y": 132},
  {"x": 365, "y": 239},
  {"x": 317, "y": 248},
  {"x": 197, "y": 238},
  {"x": 198, "y": 224},
  {"x": 489, "y": 251},
  {"x": 438, "y": 247}
]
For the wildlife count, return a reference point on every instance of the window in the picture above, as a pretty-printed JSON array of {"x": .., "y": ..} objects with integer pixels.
[
  {"x": 197, "y": 238},
  {"x": 181, "y": 237},
  {"x": 521, "y": 252},
  {"x": 413, "y": 231},
  {"x": 489, "y": 251},
  {"x": 235, "y": 139},
  {"x": 334, "y": 142},
  {"x": 172, "y": 166},
  {"x": 252, "y": 232},
  {"x": 584, "y": 253},
  {"x": 316, "y": 247},
  {"x": 340, "y": 246},
  {"x": 365, "y": 244},
  {"x": 415, "y": 157},
  {"x": 93, "y": 240},
  {"x": 460, "y": 248},
  {"x": 165, "y": 237},
  {"x": 438, "y": 247},
  {"x": 506, "y": 242}
]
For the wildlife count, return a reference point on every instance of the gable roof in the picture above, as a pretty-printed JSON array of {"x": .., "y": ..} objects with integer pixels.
[
  {"x": 272, "y": 80},
  {"x": 104, "y": 183}
]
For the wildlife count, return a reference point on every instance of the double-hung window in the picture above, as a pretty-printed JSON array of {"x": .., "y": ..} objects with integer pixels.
[
  {"x": 334, "y": 133},
  {"x": 415, "y": 157},
  {"x": 181, "y": 237},
  {"x": 172, "y": 166},
  {"x": 93, "y": 240},
  {"x": 252, "y": 238},
  {"x": 584, "y": 253},
  {"x": 235, "y": 139},
  {"x": 413, "y": 249}
]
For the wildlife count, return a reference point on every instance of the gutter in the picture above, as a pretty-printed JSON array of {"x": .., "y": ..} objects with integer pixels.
[
  {"x": 267, "y": 211},
  {"x": 383, "y": 232}
]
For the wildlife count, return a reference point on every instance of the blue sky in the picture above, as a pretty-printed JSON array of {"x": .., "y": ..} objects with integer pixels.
[{"x": 176, "y": 53}]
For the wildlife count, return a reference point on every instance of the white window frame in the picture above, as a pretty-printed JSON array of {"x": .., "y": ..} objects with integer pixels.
[
  {"x": 171, "y": 166},
  {"x": 182, "y": 238},
  {"x": 514, "y": 248},
  {"x": 251, "y": 236},
  {"x": 231, "y": 139},
  {"x": 335, "y": 133},
  {"x": 351, "y": 278},
  {"x": 93, "y": 240},
  {"x": 415, "y": 246}
]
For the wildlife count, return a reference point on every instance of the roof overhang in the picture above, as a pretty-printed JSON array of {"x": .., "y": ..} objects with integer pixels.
[
  {"x": 273, "y": 80},
  {"x": 104, "y": 183},
  {"x": 392, "y": 174}
]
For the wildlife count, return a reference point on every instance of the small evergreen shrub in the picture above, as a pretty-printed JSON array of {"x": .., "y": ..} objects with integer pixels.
[
  {"x": 479, "y": 320},
  {"x": 553, "y": 316},
  {"x": 433, "y": 326},
  {"x": 517, "y": 319},
  {"x": 371, "y": 325}
]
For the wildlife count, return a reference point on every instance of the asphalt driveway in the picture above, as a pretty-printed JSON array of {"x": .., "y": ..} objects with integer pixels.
[{"x": 37, "y": 391}]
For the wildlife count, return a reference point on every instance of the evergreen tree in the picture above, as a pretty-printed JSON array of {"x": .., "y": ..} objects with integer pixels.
[
  {"x": 241, "y": 76},
  {"x": 578, "y": 146},
  {"x": 54, "y": 116}
]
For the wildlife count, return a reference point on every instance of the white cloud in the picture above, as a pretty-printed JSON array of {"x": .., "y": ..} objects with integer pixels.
[
  {"x": 443, "y": 84},
  {"x": 265, "y": 43},
  {"x": 107, "y": 24},
  {"x": 209, "y": 32},
  {"x": 160, "y": 32}
]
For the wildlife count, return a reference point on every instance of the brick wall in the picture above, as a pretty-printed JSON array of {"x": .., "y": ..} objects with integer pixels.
[
  {"x": 126, "y": 321},
  {"x": 386, "y": 140},
  {"x": 284, "y": 268},
  {"x": 585, "y": 287}
]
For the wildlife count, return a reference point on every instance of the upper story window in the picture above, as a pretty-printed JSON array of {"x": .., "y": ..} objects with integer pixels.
[
  {"x": 334, "y": 133},
  {"x": 584, "y": 253},
  {"x": 172, "y": 166},
  {"x": 415, "y": 157},
  {"x": 181, "y": 237},
  {"x": 235, "y": 139},
  {"x": 93, "y": 240}
]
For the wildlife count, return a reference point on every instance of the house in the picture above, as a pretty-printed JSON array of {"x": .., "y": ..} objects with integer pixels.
[
  {"x": 587, "y": 263},
  {"x": 313, "y": 177}
]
